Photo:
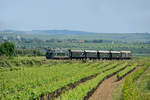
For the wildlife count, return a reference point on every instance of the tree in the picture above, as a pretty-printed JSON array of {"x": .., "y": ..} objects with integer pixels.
[{"x": 7, "y": 49}]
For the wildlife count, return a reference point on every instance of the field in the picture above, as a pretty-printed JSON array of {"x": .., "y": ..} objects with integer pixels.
[
  {"x": 138, "y": 43},
  {"x": 24, "y": 78},
  {"x": 137, "y": 49}
]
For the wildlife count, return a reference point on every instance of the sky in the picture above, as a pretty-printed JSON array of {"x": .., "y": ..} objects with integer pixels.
[{"x": 120, "y": 16}]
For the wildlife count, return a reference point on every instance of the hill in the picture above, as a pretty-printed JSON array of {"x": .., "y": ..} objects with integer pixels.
[{"x": 81, "y": 35}]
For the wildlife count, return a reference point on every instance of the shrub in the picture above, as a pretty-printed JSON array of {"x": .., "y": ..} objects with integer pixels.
[{"x": 7, "y": 49}]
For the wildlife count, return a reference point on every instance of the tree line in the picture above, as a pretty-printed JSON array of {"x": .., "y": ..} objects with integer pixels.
[{"x": 9, "y": 49}]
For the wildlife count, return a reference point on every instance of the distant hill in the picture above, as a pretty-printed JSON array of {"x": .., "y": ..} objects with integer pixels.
[
  {"x": 59, "y": 32},
  {"x": 48, "y": 32},
  {"x": 81, "y": 35}
]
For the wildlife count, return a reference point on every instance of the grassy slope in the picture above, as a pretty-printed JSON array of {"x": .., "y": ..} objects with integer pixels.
[{"x": 142, "y": 84}]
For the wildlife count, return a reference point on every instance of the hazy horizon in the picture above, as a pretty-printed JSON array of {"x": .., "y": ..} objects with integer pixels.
[{"x": 102, "y": 16}]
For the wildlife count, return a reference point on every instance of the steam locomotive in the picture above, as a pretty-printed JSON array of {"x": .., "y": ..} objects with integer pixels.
[{"x": 86, "y": 54}]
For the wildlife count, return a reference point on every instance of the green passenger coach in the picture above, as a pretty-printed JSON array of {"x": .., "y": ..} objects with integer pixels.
[{"x": 87, "y": 54}]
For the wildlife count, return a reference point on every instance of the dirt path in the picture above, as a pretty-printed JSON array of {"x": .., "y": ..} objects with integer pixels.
[{"x": 106, "y": 89}]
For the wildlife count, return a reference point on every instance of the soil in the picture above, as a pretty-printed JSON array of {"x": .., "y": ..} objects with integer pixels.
[{"x": 106, "y": 88}]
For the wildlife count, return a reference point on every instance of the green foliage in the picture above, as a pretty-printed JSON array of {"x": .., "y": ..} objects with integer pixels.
[
  {"x": 48, "y": 76},
  {"x": 32, "y": 82},
  {"x": 29, "y": 52},
  {"x": 82, "y": 90},
  {"x": 126, "y": 71},
  {"x": 2, "y": 69},
  {"x": 129, "y": 90},
  {"x": 22, "y": 61},
  {"x": 143, "y": 85},
  {"x": 7, "y": 49},
  {"x": 5, "y": 63}
]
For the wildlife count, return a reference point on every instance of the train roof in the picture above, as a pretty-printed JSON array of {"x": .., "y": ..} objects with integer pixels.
[
  {"x": 77, "y": 50},
  {"x": 125, "y": 51},
  {"x": 92, "y": 51},
  {"x": 104, "y": 51},
  {"x": 60, "y": 50},
  {"x": 115, "y": 51}
]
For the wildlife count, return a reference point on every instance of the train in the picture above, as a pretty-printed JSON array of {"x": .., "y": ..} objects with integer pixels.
[{"x": 87, "y": 54}]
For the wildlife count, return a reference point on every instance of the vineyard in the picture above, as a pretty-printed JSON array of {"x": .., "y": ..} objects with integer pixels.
[
  {"x": 31, "y": 78},
  {"x": 74, "y": 50}
]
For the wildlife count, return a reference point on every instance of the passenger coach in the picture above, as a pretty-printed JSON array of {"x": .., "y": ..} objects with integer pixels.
[{"x": 86, "y": 54}]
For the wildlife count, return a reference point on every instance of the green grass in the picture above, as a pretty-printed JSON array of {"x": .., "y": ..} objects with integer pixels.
[
  {"x": 126, "y": 71},
  {"x": 134, "y": 85},
  {"x": 117, "y": 94},
  {"x": 143, "y": 83},
  {"x": 129, "y": 90}
]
